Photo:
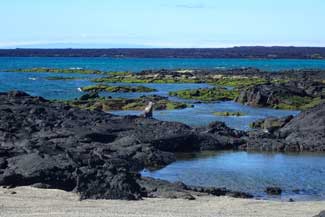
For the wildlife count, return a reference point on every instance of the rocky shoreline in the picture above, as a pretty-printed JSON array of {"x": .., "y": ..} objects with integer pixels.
[
  {"x": 53, "y": 145},
  {"x": 98, "y": 155}
]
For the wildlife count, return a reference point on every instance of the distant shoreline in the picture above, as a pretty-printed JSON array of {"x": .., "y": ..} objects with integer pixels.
[{"x": 257, "y": 52}]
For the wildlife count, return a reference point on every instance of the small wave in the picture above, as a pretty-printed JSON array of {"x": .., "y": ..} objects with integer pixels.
[
  {"x": 33, "y": 79},
  {"x": 79, "y": 89}
]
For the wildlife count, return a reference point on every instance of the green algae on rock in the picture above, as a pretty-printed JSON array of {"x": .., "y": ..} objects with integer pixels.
[
  {"x": 207, "y": 94},
  {"x": 123, "y": 89},
  {"x": 94, "y": 102},
  {"x": 239, "y": 81}
]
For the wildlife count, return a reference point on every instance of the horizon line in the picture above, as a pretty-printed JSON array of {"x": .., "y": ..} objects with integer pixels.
[{"x": 152, "y": 48}]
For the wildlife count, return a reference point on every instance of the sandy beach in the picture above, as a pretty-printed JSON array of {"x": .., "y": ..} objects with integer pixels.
[{"x": 28, "y": 201}]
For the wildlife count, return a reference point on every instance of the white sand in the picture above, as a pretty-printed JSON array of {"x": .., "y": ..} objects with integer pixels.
[{"x": 38, "y": 202}]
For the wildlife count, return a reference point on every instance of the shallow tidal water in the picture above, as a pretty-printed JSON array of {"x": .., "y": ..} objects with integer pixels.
[{"x": 302, "y": 176}]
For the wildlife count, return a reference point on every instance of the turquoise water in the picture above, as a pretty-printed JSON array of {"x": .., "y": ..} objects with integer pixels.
[
  {"x": 202, "y": 114},
  {"x": 138, "y": 64},
  {"x": 301, "y": 176},
  {"x": 37, "y": 84}
]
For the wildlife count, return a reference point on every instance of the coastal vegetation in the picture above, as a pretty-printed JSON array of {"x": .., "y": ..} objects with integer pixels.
[
  {"x": 123, "y": 89},
  {"x": 238, "y": 81},
  {"x": 298, "y": 102},
  {"x": 207, "y": 94}
]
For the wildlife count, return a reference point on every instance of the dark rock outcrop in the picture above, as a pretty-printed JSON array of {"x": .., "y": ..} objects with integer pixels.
[
  {"x": 288, "y": 95},
  {"x": 271, "y": 124},
  {"x": 305, "y": 132},
  {"x": 94, "y": 153}
]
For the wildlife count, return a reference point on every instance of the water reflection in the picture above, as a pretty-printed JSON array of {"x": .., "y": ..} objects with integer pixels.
[{"x": 301, "y": 176}]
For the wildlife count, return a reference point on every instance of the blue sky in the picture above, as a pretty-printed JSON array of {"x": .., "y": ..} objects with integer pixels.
[{"x": 161, "y": 23}]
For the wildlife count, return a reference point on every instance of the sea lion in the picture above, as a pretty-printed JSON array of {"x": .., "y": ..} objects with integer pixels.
[{"x": 147, "y": 113}]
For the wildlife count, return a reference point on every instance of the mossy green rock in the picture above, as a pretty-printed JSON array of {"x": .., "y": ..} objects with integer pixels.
[
  {"x": 207, "y": 94},
  {"x": 124, "y": 89},
  {"x": 238, "y": 82},
  {"x": 109, "y": 104}
]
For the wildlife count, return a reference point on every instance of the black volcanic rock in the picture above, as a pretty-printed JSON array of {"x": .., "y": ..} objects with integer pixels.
[
  {"x": 94, "y": 153},
  {"x": 305, "y": 132},
  {"x": 293, "y": 94}
]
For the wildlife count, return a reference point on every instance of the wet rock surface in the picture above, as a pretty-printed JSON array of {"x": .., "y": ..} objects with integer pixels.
[{"x": 53, "y": 145}]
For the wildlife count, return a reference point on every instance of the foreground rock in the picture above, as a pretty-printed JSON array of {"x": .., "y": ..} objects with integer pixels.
[
  {"x": 54, "y": 145},
  {"x": 160, "y": 188}
]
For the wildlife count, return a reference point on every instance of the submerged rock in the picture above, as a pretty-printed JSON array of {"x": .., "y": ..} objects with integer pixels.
[{"x": 273, "y": 190}]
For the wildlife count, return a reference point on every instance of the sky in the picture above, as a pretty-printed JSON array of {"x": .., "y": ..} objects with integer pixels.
[{"x": 161, "y": 23}]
